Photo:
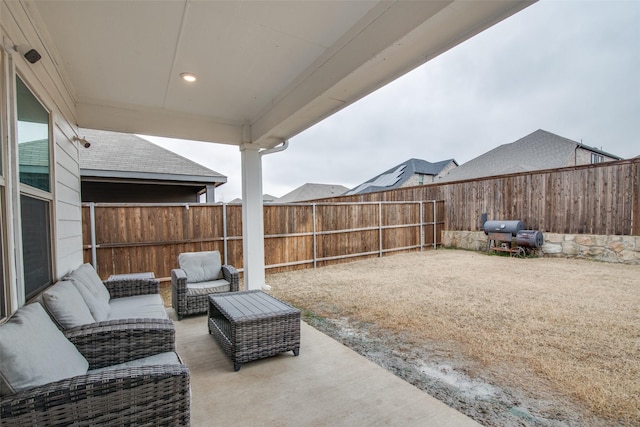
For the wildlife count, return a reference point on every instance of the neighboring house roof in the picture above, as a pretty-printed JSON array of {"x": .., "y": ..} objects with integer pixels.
[
  {"x": 536, "y": 151},
  {"x": 127, "y": 156},
  {"x": 312, "y": 192},
  {"x": 398, "y": 175},
  {"x": 302, "y": 193},
  {"x": 266, "y": 198}
]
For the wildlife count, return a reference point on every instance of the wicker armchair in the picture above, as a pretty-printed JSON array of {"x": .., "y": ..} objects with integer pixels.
[
  {"x": 155, "y": 391},
  {"x": 200, "y": 274}
]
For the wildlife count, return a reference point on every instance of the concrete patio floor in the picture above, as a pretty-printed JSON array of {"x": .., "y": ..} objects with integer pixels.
[{"x": 326, "y": 385}]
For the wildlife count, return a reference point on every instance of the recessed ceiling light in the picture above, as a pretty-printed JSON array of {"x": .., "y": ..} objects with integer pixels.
[{"x": 188, "y": 77}]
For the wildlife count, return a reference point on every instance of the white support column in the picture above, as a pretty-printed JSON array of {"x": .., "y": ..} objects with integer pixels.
[{"x": 252, "y": 217}]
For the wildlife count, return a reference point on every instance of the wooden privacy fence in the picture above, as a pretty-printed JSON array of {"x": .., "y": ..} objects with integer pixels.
[
  {"x": 601, "y": 199},
  {"x": 124, "y": 238},
  {"x": 592, "y": 199}
]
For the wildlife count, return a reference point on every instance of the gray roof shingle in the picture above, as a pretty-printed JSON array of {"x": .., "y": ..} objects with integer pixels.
[
  {"x": 536, "y": 151},
  {"x": 312, "y": 192},
  {"x": 123, "y": 155}
]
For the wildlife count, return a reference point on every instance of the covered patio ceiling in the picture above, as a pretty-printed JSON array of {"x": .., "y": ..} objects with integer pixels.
[{"x": 267, "y": 70}]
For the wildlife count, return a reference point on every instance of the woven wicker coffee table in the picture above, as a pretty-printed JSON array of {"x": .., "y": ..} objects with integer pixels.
[{"x": 252, "y": 325}]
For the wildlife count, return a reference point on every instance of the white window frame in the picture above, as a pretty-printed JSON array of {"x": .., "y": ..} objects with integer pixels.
[
  {"x": 8, "y": 297},
  {"x": 30, "y": 191},
  {"x": 596, "y": 158},
  {"x": 10, "y": 212}
]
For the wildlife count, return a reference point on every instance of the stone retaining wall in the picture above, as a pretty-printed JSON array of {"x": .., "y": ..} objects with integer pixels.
[{"x": 620, "y": 249}]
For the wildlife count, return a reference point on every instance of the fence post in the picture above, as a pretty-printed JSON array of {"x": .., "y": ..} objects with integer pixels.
[
  {"x": 421, "y": 204},
  {"x": 380, "y": 229},
  {"x": 634, "y": 222},
  {"x": 435, "y": 225},
  {"x": 224, "y": 232},
  {"x": 315, "y": 241},
  {"x": 92, "y": 215}
]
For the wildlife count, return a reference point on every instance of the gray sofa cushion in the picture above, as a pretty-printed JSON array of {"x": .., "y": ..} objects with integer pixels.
[
  {"x": 93, "y": 291},
  {"x": 34, "y": 352},
  {"x": 201, "y": 266},
  {"x": 87, "y": 276},
  {"x": 66, "y": 306},
  {"x": 98, "y": 308},
  {"x": 168, "y": 358},
  {"x": 206, "y": 288},
  {"x": 138, "y": 307}
]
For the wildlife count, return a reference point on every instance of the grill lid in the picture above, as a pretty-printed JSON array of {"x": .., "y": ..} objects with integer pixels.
[{"x": 503, "y": 227}]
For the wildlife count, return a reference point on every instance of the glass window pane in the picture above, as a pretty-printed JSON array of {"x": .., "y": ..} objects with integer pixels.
[
  {"x": 33, "y": 139},
  {"x": 36, "y": 244}
]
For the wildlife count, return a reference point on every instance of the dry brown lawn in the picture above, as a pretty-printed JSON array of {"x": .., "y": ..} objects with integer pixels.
[{"x": 570, "y": 324}]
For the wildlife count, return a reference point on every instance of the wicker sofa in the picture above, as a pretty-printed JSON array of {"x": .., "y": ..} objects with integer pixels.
[
  {"x": 81, "y": 299},
  {"x": 90, "y": 376},
  {"x": 199, "y": 275}
]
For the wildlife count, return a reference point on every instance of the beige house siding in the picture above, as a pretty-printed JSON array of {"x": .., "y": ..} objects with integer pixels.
[
  {"x": 446, "y": 170},
  {"x": 583, "y": 157},
  {"x": 418, "y": 179}
]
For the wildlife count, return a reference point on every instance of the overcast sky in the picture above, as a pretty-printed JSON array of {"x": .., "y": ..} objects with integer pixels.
[{"x": 568, "y": 67}]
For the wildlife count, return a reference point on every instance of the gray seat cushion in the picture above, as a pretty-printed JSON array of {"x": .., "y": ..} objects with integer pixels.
[
  {"x": 201, "y": 266},
  {"x": 34, "y": 352},
  {"x": 149, "y": 306},
  {"x": 66, "y": 306},
  {"x": 206, "y": 288}
]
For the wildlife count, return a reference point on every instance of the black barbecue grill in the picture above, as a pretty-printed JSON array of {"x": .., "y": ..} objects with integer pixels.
[{"x": 510, "y": 236}]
